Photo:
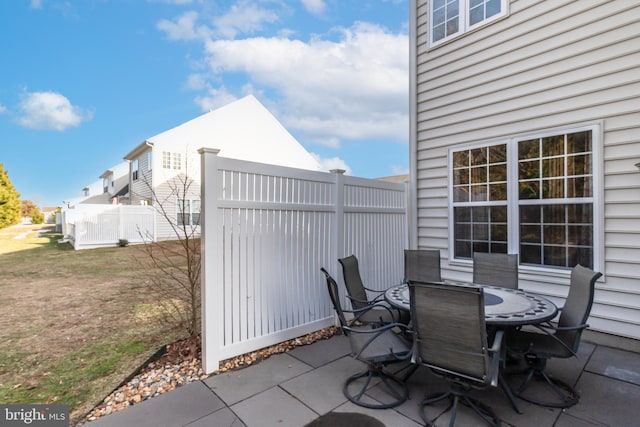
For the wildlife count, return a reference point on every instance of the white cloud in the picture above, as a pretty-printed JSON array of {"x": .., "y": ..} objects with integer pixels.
[
  {"x": 354, "y": 88},
  {"x": 36, "y": 4},
  {"x": 182, "y": 29},
  {"x": 315, "y": 7},
  {"x": 330, "y": 163},
  {"x": 3, "y": 109},
  {"x": 49, "y": 110},
  {"x": 243, "y": 18}
]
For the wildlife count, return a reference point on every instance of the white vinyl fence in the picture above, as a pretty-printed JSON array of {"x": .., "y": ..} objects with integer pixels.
[
  {"x": 267, "y": 230},
  {"x": 92, "y": 226}
]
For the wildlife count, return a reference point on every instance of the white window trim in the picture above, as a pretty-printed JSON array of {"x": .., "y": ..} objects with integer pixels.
[
  {"x": 464, "y": 27},
  {"x": 190, "y": 214},
  {"x": 135, "y": 170},
  {"x": 512, "y": 194}
]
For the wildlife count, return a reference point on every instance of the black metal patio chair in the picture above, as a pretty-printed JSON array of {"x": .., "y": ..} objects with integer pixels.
[
  {"x": 495, "y": 269},
  {"x": 377, "y": 347},
  {"x": 561, "y": 341},
  {"x": 450, "y": 337},
  {"x": 422, "y": 265},
  {"x": 357, "y": 293}
]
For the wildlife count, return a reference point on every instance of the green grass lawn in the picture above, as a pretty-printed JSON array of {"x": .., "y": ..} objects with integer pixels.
[{"x": 73, "y": 324}]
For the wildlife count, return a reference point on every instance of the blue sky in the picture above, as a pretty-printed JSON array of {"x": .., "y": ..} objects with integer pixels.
[{"x": 84, "y": 82}]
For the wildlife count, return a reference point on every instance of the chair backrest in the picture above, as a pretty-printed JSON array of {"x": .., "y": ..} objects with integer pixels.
[
  {"x": 332, "y": 287},
  {"x": 495, "y": 269},
  {"x": 450, "y": 329},
  {"x": 353, "y": 281},
  {"x": 422, "y": 265},
  {"x": 577, "y": 307}
]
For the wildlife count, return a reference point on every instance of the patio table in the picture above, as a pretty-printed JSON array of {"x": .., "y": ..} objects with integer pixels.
[{"x": 502, "y": 306}]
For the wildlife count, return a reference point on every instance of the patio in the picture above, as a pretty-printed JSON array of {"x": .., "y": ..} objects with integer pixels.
[{"x": 294, "y": 388}]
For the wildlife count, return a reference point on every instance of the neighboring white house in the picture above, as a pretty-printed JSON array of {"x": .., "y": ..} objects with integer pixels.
[
  {"x": 111, "y": 188},
  {"x": 525, "y": 133},
  {"x": 162, "y": 165}
]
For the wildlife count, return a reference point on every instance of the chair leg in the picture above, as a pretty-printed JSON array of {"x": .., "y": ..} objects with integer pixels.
[
  {"x": 568, "y": 395},
  {"x": 456, "y": 396},
  {"x": 393, "y": 387}
]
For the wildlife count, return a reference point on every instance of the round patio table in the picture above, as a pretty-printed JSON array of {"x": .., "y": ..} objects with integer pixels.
[{"x": 502, "y": 306}]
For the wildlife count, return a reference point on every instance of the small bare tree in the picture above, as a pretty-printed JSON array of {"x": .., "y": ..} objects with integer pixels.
[{"x": 175, "y": 262}]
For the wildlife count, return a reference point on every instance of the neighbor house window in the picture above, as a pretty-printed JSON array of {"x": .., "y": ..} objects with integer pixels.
[
  {"x": 166, "y": 160},
  {"x": 533, "y": 196},
  {"x": 177, "y": 161},
  {"x": 149, "y": 161},
  {"x": 134, "y": 170},
  {"x": 451, "y": 18},
  {"x": 188, "y": 212}
]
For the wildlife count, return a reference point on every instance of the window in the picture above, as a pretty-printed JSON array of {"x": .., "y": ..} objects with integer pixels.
[
  {"x": 188, "y": 212},
  {"x": 451, "y": 18},
  {"x": 149, "y": 160},
  {"x": 134, "y": 170},
  {"x": 533, "y": 196},
  {"x": 167, "y": 162}
]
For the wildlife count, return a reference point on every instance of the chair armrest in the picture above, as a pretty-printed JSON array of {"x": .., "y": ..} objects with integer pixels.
[
  {"x": 496, "y": 352},
  {"x": 375, "y": 333}
]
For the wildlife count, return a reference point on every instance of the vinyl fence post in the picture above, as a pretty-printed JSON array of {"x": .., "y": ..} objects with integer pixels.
[{"x": 211, "y": 300}]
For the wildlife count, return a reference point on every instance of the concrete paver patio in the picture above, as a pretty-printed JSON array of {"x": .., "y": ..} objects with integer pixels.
[{"x": 294, "y": 388}]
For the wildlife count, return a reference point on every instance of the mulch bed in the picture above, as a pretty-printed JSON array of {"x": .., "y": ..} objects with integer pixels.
[{"x": 179, "y": 365}]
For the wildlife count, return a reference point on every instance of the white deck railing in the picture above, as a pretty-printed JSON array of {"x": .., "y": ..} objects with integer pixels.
[{"x": 267, "y": 230}]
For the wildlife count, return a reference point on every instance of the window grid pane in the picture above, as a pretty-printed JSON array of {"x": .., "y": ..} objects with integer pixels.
[
  {"x": 166, "y": 160},
  {"x": 177, "y": 161}
]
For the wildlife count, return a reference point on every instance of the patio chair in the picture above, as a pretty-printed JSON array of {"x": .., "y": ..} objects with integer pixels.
[
  {"x": 377, "y": 347},
  {"x": 560, "y": 341},
  {"x": 495, "y": 269},
  {"x": 422, "y": 265},
  {"x": 450, "y": 337},
  {"x": 381, "y": 312}
]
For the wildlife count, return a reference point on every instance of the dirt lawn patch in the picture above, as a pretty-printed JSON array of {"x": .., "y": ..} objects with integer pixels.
[{"x": 73, "y": 324}]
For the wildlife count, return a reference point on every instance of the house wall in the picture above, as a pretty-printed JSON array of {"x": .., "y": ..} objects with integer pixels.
[
  {"x": 140, "y": 189},
  {"x": 548, "y": 64}
]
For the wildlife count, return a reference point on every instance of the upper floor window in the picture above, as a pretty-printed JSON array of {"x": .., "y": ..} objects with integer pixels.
[
  {"x": 166, "y": 160},
  {"x": 171, "y": 160},
  {"x": 451, "y": 18},
  {"x": 134, "y": 170},
  {"x": 532, "y": 196},
  {"x": 149, "y": 160}
]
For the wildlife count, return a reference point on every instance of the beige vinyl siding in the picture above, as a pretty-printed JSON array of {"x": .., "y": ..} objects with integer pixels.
[
  {"x": 140, "y": 189},
  {"x": 547, "y": 65},
  {"x": 167, "y": 194}
]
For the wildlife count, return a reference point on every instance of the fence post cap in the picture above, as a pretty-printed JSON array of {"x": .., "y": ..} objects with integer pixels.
[{"x": 208, "y": 150}]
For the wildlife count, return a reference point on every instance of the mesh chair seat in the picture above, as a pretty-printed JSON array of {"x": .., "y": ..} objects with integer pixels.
[
  {"x": 422, "y": 265},
  {"x": 359, "y": 298},
  {"x": 495, "y": 269}
]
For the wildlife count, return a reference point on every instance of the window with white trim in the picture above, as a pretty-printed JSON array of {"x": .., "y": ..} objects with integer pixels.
[
  {"x": 177, "y": 161},
  {"x": 451, "y": 18},
  {"x": 188, "y": 212},
  {"x": 166, "y": 160},
  {"x": 134, "y": 170},
  {"x": 533, "y": 196},
  {"x": 149, "y": 160}
]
